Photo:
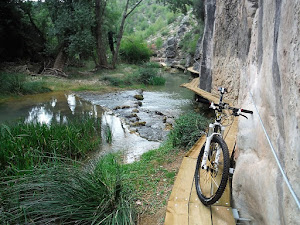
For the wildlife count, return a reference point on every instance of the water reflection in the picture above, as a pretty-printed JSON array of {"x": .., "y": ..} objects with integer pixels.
[
  {"x": 40, "y": 115},
  {"x": 61, "y": 107},
  {"x": 72, "y": 102},
  {"x": 132, "y": 145},
  {"x": 47, "y": 108}
]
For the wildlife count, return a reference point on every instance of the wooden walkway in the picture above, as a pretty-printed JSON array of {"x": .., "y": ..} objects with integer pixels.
[{"x": 184, "y": 206}]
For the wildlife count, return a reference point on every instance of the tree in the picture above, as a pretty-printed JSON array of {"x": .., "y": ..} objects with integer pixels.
[
  {"x": 72, "y": 29},
  {"x": 126, "y": 13},
  {"x": 100, "y": 6}
]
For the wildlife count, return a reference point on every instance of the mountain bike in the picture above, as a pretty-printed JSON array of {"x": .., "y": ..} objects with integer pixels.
[{"x": 212, "y": 168}]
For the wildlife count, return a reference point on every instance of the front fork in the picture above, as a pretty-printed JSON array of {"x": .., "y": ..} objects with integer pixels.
[{"x": 207, "y": 148}]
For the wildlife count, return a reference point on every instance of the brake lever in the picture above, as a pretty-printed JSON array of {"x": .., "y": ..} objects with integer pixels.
[{"x": 243, "y": 115}]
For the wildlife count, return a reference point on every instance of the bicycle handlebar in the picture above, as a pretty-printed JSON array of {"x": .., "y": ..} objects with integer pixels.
[{"x": 246, "y": 111}]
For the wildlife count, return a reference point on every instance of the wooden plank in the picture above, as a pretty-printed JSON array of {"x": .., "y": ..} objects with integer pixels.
[
  {"x": 177, "y": 208},
  {"x": 199, "y": 214},
  {"x": 190, "y": 69},
  {"x": 179, "y": 67},
  {"x": 177, "y": 213},
  {"x": 222, "y": 216},
  {"x": 225, "y": 200},
  {"x": 194, "y": 86},
  {"x": 163, "y": 64},
  {"x": 184, "y": 180},
  {"x": 195, "y": 150},
  {"x": 230, "y": 135}
]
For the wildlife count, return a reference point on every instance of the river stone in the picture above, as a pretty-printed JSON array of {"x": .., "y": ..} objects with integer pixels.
[
  {"x": 152, "y": 134},
  {"x": 139, "y": 97},
  {"x": 137, "y": 124}
]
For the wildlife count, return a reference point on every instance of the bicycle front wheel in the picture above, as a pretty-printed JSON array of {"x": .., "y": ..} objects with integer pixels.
[{"x": 211, "y": 182}]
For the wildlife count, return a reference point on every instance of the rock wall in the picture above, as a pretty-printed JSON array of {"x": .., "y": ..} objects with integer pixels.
[{"x": 256, "y": 49}]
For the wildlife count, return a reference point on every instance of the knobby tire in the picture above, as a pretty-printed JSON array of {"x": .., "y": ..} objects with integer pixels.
[{"x": 209, "y": 200}]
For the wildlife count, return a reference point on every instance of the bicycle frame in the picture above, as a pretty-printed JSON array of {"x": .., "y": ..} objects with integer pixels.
[{"x": 207, "y": 150}]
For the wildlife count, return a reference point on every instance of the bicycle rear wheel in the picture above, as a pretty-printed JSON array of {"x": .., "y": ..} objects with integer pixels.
[{"x": 211, "y": 182}]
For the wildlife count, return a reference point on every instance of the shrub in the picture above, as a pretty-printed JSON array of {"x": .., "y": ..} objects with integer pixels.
[
  {"x": 146, "y": 74},
  {"x": 134, "y": 51},
  {"x": 159, "y": 42},
  {"x": 188, "y": 129}
]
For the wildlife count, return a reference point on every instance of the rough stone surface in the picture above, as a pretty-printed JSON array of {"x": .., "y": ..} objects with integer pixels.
[
  {"x": 256, "y": 49},
  {"x": 172, "y": 53}
]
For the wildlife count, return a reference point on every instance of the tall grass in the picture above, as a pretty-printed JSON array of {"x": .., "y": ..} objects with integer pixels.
[
  {"x": 188, "y": 129},
  {"x": 25, "y": 146},
  {"x": 16, "y": 83},
  {"x": 60, "y": 194},
  {"x": 147, "y": 74}
]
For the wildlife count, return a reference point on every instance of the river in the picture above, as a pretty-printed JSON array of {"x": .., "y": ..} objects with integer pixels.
[{"x": 137, "y": 126}]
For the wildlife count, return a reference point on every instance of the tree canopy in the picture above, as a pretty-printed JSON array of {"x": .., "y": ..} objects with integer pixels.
[{"x": 68, "y": 30}]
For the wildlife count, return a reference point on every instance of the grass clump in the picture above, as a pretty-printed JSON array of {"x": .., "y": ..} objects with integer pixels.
[
  {"x": 27, "y": 145},
  {"x": 60, "y": 194},
  {"x": 16, "y": 83},
  {"x": 188, "y": 129}
]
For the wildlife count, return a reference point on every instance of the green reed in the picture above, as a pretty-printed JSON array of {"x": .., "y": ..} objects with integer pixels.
[
  {"x": 24, "y": 146},
  {"x": 66, "y": 194}
]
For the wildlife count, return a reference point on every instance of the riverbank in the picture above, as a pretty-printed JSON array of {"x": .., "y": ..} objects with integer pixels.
[
  {"x": 147, "y": 182},
  {"x": 124, "y": 77}
]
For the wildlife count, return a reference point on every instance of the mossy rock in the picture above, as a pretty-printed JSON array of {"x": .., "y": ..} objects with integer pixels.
[
  {"x": 139, "y": 97},
  {"x": 138, "y": 124}
]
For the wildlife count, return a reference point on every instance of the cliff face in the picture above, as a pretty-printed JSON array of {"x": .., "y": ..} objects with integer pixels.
[{"x": 255, "y": 48}]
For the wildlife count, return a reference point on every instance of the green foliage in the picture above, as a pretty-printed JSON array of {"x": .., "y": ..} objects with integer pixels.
[
  {"x": 152, "y": 65},
  {"x": 190, "y": 40},
  {"x": 188, "y": 129},
  {"x": 149, "y": 18},
  {"x": 147, "y": 74},
  {"x": 67, "y": 194},
  {"x": 159, "y": 42},
  {"x": 171, "y": 17},
  {"x": 16, "y": 83},
  {"x": 27, "y": 145},
  {"x": 133, "y": 50},
  {"x": 72, "y": 26}
]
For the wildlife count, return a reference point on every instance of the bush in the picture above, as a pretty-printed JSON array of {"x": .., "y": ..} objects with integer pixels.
[
  {"x": 134, "y": 51},
  {"x": 159, "y": 42},
  {"x": 188, "y": 129}
]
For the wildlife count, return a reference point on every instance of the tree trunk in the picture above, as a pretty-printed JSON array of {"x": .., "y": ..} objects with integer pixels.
[
  {"x": 60, "y": 60},
  {"x": 121, "y": 31},
  {"x": 110, "y": 36},
  {"x": 120, "y": 35},
  {"x": 101, "y": 49}
]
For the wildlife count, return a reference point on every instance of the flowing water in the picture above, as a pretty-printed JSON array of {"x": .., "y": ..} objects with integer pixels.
[{"x": 136, "y": 126}]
